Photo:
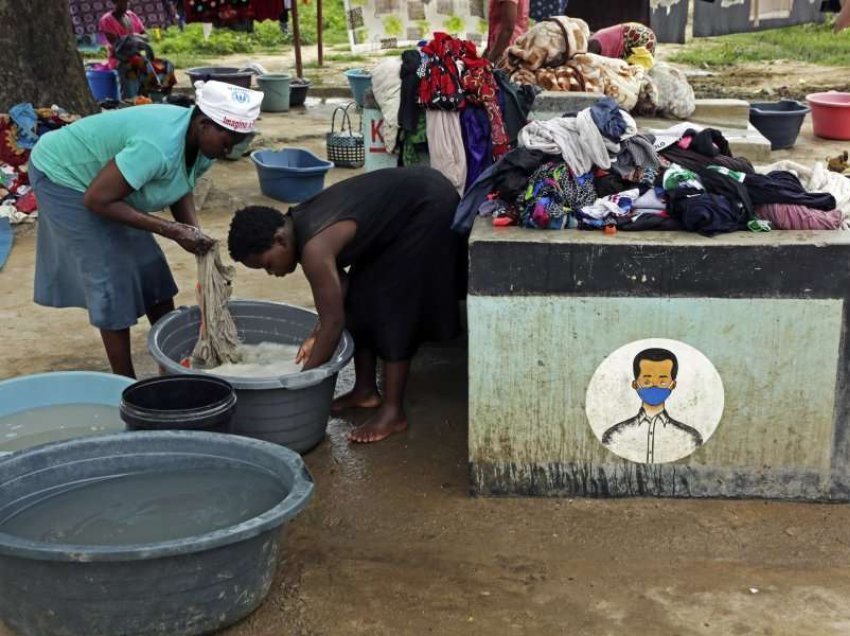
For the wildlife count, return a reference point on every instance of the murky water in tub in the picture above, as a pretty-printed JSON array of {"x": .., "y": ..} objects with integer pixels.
[
  {"x": 54, "y": 423},
  {"x": 146, "y": 507}
]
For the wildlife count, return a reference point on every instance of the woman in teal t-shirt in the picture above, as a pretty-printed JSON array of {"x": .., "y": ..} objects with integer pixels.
[{"x": 98, "y": 180}]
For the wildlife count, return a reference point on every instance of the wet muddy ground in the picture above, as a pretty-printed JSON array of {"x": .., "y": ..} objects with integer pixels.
[{"x": 394, "y": 545}]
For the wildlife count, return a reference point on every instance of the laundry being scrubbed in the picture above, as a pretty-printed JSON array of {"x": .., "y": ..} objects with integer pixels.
[
  {"x": 219, "y": 350},
  {"x": 218, "y": 340}
]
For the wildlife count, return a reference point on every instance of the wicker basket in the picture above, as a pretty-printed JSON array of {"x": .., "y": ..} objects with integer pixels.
[{"x": 345, "y": 148}]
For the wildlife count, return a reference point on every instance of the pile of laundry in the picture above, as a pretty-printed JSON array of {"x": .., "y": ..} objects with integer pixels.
[
  {"x": 19, "y": 130},
  {"x": 445, "y": 105},
  {"x": 554, "y": 55},
  {"x": 594, "y": 171}
]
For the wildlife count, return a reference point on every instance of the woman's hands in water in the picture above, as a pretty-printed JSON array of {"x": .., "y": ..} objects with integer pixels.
[
  {"x": 190, "y": 238},
  {"x": 306, "y": 349}
]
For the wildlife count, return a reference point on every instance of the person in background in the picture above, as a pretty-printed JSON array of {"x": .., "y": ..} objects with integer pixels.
[
  {"x": 98, "y": 180},
  {"x": 179, "y": 12},
  {"x": 391, "y": 229},
  {"x": 118, "y": 23},
  {"x": 130, "y": 54},
  {"x": 508, "y": 19},
  {"x": 630, "y": 41},
  {"x": 284, "y": 16}
]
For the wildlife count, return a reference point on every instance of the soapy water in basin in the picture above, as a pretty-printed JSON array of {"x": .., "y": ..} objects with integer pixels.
[
  {"x": 146, "y": 507},
  {"x": 264, "y": 360},
  {"x": 56, "y": 423}
]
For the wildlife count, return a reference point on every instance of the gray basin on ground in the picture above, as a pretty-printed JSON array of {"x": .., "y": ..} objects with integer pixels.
[
  {"x": 292, "y": 410},
  {"x": 183, "y": 586}
]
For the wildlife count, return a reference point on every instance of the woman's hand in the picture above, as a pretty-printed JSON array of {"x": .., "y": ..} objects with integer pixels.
[
  {"x": 306, "y": 349},
  {"x": 190, "y": 238}
]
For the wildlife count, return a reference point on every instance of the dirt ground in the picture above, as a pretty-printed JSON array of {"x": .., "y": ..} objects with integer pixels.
[
  {"x": 393, "y": 544},
  {"x": 770, "y": 80}
]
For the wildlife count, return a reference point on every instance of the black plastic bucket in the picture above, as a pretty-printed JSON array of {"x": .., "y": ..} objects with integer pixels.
[
  {"x": 298, "y": 91},
  {"x": 779, "y": 121},
  {"x": 185, "y": 402}
]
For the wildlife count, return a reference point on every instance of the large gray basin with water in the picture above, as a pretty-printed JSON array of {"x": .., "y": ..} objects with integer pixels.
[
  {"x": 292, "y": 410},
  {"x": 180, "y": 587}
]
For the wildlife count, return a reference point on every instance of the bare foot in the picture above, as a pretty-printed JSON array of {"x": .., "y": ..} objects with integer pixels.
[
  {"x": 356, "y": 400},
  {"x": 380, "y": 426}
]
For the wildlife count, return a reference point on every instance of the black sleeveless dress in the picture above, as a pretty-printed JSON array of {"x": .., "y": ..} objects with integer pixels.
[{"x": 405, "y": 262}]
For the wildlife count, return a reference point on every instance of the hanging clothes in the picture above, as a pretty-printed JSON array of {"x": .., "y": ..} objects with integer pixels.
[
  {"x": 473, "y": 198},
  {"x": 481, "y": 90},
  {"x": 439, "y": 84},
  {"x": 415, "y": 144},
  {"x": 445, "y": 145},
  {"x": 267, "y": 9},
  {"x": 409, "y": 108},
  {"x": 515, "y": 101},
  {"x": 476, "y": 139},
  {"x": 386, "y": 86},
  {"x": 218, "y": 10}
]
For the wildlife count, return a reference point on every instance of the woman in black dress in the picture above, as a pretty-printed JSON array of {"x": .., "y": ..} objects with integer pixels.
[{"x": 391, "y": 229}]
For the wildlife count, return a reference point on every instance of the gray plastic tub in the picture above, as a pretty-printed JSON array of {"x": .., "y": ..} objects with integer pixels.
[
  {"x": 182, "y": 587},
  {"x": 292, "y": 410}
]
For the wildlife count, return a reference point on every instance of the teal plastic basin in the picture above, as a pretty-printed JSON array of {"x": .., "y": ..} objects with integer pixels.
[{"x": 55, "y": 389}]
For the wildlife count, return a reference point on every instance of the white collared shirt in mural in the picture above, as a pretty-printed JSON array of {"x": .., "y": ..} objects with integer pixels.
[{"x": 652, "y": 439}]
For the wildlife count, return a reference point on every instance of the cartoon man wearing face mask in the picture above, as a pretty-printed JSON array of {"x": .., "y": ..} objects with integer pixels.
[{"x": 652, "y": 436}]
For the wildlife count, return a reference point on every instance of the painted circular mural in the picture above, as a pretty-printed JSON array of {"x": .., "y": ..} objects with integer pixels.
[{"x": 654, "y": 401}]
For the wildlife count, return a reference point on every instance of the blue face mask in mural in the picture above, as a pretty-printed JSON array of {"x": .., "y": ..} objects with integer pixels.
[{"x": 654, "y": 395}]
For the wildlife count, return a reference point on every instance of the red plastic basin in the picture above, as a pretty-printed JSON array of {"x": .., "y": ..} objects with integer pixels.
[{"x": 830, "y": 114}]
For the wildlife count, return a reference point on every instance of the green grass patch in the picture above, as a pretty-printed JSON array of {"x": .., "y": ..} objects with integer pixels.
[
  {"x": 346, "y": 57},
  {"x": 189, "y": 47},
  {"x": 814, "y": 43}
]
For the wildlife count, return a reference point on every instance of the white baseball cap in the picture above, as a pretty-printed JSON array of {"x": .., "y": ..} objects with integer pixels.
[{"x": 232, "y": 107}]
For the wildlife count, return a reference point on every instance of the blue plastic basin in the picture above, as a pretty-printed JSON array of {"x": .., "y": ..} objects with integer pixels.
[
  {"x": 59, "y": 388},
  {"x": 292, "y": 174},
  {"x": 104, "y": 84},
  {"x": 360, "y": 81}
]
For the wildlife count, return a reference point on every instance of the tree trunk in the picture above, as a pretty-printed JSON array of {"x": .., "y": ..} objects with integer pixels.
[{"x": 40, "y": 62}]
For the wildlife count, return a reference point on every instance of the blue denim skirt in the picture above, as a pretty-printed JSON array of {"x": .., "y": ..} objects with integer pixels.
[{"x": 114, "y": 271}]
